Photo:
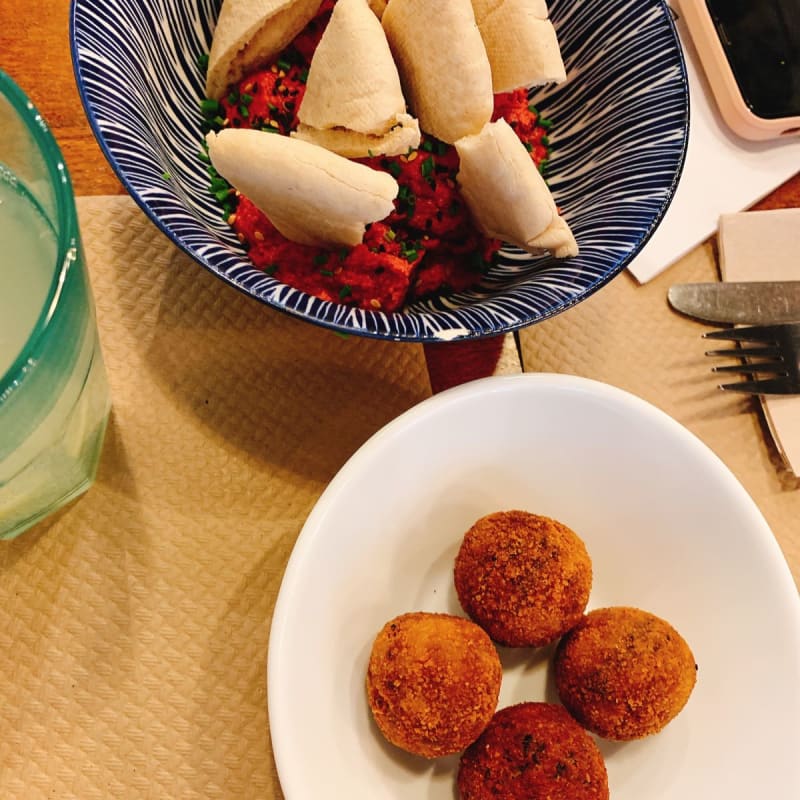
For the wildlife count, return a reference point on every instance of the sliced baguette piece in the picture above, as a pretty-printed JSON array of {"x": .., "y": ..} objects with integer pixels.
[
  {"x": 249, "y": 34},
  {"x": 404, "y": 135},
  {"x": 521, "y": 43},
  {"x": 353, "y": 102},
  {"x": 312, "y": 196},
  {"x": 443, "y": 65},
  {"x": 507, "y": 196}
]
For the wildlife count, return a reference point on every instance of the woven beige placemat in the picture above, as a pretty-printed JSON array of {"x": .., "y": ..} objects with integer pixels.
[
  {"x": 627, "y": 335},
  {"x": 134, "y": 625}
]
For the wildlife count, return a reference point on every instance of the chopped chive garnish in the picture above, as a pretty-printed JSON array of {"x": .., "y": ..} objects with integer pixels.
[
  {"x": 209, "y": 107},
  {"x": 427, "y": 168},
  {"x": 345, "y": 291},
  {"x": 202, "y": 62},
  {"x": 326, "y": 272},
  {"x": 320, "y": 259}
]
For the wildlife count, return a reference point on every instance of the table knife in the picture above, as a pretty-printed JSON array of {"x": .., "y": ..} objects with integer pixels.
[{"x": 745, "y": 302}]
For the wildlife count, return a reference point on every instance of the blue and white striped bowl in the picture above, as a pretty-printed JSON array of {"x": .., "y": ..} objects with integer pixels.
[{"x": 620, "y": 127}]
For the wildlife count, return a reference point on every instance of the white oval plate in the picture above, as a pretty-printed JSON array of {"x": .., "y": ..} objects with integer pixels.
[{"x": 667, "y": 525}]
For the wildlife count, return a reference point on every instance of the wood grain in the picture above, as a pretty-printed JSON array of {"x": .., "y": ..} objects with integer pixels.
[{"x": 34, "y": 50}]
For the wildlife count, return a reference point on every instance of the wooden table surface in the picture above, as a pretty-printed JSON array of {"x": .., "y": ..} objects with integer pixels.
[{"x": 34, "y": 50}]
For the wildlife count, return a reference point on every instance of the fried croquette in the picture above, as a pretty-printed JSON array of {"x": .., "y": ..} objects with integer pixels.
[
  {"x": 433, "y": 682},
  {"x": 624, "y": 673},
  {"x": 524, "y": 578},
  {"x": 533, "y": 751}
]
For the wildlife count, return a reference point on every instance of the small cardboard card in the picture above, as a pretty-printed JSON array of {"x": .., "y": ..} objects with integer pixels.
[{"x": 765, "y": 246}]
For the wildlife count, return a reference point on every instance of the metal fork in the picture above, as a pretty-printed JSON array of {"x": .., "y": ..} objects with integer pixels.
[{"x": 770, "y": 354}]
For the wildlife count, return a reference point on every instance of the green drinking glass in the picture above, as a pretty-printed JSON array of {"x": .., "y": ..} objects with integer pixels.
[{"x": 54, "y": 399}]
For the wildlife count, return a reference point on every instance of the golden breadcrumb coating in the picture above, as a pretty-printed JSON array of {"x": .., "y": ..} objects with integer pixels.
[
  {"x": 624, "y": 673},
  {"x": 432, "y": 682},
  {"x": 524, "y": 578},
  {"x": 533, "y": 751}
]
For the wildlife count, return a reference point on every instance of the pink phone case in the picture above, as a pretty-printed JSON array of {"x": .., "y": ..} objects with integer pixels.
[{"x": 732, "y": 106}]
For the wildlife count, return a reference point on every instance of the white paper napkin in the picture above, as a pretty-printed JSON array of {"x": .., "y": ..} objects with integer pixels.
[
  {"x": 723, "y": 173},
  {"x": 765, "y": 246}
]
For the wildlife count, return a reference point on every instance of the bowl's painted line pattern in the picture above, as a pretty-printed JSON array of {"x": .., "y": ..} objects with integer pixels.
[{"x": 620, "y": 126}]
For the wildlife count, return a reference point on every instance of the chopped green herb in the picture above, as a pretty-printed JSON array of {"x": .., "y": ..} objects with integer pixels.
[
  {"x": 426, "y": 168},
  {"x": 244, "y": 111},
  {"x": 394, "y": 169},
  {"x": 271, "y": 269},
  {"x": 328, "y": 273},
  {"x": 284, "y": 64},
  {"x": 390, "y": 235},
  {"x": 345, "y": 291},
  {"x": 320, "y": 259},
  {"x": 245, "y": 99},
  {"x": 545, "y": 140},
  {"x": 528, "y": 146},
  {"x": 303, "y": 76},
  {"x": 202, "y": 62},
  {"x": 210, "y": 108},
  {"x": 221, "y": 194},
  {"x": 545, "y": 123},
  {"x": 166, "y": 176},
  {"x": 233, "y": 97},
  {"x": 427, "y": 146}
]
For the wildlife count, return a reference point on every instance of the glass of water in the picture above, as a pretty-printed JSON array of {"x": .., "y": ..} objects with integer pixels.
[{"x": 54, "y": 400}]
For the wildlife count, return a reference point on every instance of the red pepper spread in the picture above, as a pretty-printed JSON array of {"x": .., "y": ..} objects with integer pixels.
[{"x": 427, "y": 245}]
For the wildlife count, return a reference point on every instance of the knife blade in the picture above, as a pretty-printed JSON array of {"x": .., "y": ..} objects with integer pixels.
[{"x": 744, "y": 302}]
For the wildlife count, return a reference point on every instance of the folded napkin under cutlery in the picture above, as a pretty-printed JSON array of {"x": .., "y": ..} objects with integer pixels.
[{"x": 765, "y": 246}]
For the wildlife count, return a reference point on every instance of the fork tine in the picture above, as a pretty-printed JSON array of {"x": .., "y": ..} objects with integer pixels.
[
  {"x": 769, "y": 386},
  {"x": 750, "y": 368},
  {"x": 767, "y": 356},
  {"x": 739, "y": 352},
  {"x": 756, "y": 333}
]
